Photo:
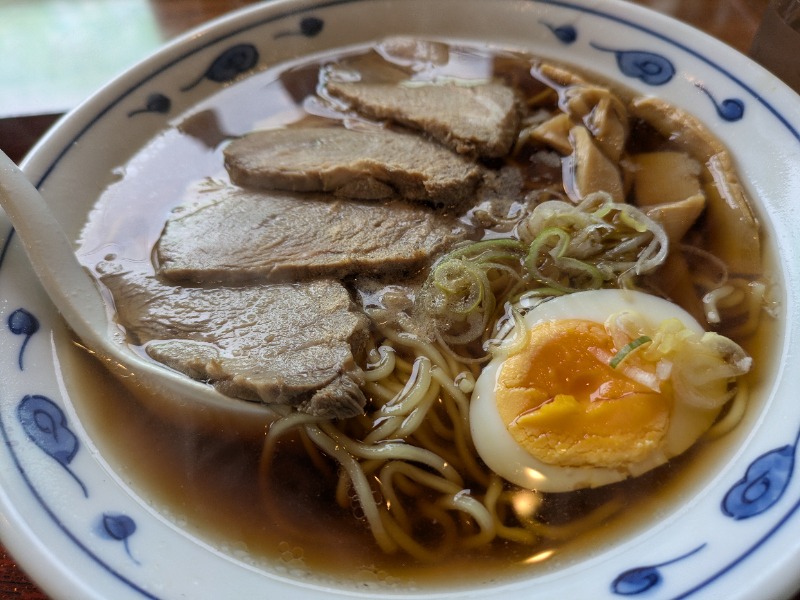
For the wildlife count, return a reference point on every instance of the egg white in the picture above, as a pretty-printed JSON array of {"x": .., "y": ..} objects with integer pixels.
[{"x": 504, "y": 456}]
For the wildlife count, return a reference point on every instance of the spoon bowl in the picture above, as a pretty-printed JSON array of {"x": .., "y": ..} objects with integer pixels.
[{"x": 78, "y": 299}]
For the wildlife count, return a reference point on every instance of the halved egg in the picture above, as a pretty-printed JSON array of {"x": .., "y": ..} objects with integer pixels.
[{"x": 600, "y": 386}]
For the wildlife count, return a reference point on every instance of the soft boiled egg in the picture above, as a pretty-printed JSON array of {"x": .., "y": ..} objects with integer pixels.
[{"x": 600, "y": 386}]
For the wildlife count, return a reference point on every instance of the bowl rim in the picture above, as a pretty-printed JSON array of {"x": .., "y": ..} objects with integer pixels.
[{"x": 56, "y": 144}]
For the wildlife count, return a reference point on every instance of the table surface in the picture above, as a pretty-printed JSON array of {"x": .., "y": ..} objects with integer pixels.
[{"x": 37, "y": 85}]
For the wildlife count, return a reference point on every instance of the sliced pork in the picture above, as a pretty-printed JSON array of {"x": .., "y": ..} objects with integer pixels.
[
  {"x": 472, "y": 119},
  {"x": 242, "y": 235},
  {"x": 290, "y": 344},
  {"x": 369, "y": 164}
]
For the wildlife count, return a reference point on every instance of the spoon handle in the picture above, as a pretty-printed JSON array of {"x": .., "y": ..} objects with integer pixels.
[
  {"x": 77, "y": 297},
  {"x": 69, "y": 286}
]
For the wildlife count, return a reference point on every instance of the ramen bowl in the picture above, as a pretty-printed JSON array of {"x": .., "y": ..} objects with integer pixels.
[{"x": 85, "y": 519}]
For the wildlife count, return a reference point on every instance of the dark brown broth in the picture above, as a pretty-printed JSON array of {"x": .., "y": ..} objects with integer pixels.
[{"x": 210, "y": 483}]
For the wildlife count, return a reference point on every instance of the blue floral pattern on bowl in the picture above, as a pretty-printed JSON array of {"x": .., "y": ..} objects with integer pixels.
[
  {"x": 48, "y": 450},
  {"x": 649, "y": 67}
]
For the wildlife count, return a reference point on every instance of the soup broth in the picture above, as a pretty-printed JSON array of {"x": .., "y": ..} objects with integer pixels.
[
  {"x": 208, "y": 485},
  {"x": 288, "y": 506}
]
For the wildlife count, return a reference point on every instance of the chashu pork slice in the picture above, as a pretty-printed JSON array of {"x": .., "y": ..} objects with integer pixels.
[
  {"x": 243, "y": 235},
  {"x": 373, "y": 164},
  {"x": 479, "y": 119},
  {"x": 292, "y": 344}
]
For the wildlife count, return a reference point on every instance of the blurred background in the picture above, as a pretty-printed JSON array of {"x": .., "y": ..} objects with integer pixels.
[{"x": 55, "y": 53}]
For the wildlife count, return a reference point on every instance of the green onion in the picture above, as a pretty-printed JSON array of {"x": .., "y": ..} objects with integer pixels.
[
  {"x": 510, "y": 245},
  {"x": 539, "y": 247},
  {"x": 562, "y": 262},
  {"x": 604, "y": 210},
  {"x": 627, "y": 349},
  {"x": 592, "y": 272},
  {"x": 462, "y": 284},
  {"x": 629, "y": 220}
]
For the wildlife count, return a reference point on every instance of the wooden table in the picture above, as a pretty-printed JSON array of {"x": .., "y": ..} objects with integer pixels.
[{"x": 32, "y": 97}]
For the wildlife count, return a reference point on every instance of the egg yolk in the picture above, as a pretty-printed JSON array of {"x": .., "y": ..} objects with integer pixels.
[{"x": 565, "y": 405}]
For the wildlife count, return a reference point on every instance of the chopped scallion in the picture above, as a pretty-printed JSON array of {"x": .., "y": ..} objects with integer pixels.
[{"x": 627, "y": 349}]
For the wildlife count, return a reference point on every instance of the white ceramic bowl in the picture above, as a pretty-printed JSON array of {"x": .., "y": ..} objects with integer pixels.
[{"x": 76, "y": 525}]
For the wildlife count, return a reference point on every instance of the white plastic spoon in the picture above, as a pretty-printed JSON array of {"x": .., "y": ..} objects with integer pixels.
[{"x": 76, "y": 296}]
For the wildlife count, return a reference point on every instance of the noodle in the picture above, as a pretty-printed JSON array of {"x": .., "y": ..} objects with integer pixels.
[
  {"x": 360, "y": 485},
  {"x": 391, "y": 451},
  {"x": 568, "y": 530},
  {"x": 384, "y": 366},
  {"x": 493, "y": 501},
  {"x": 420, "y": 454},
  {"x": 733, "y": 415},
  {"x": 409, "y": 467},
  {"x": 711, "y": 301}
]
